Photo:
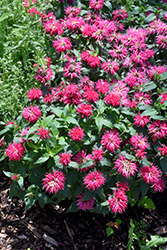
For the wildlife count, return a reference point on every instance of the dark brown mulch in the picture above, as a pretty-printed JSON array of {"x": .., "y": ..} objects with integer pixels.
[{"x": 53, "y": 228}]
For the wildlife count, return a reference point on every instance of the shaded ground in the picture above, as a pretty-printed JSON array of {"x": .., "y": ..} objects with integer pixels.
[{"x": 50, "y": 228}]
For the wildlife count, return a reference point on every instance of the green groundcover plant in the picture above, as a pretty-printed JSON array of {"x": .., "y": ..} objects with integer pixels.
[{"x": 94, "y": 128}]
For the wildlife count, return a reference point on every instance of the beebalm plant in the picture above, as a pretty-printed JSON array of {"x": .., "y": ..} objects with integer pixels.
[{"x": 94, "y": 130}]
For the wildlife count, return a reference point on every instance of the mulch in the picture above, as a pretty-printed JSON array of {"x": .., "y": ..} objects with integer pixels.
[{"x": 52, "y": 228}]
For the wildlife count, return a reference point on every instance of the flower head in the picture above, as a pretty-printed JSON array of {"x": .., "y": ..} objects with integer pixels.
[
  {"x": 118, "y": 202},
  {"x": 53, "y": 182},
  {"x": 65, "y": 158},
  {"x": 76, "y": 134},
  {"x": 111, "y": 140},
  {"x": 85, "y": 205},
  {"x": 15, "y": 151},
  {"x": 32, "y": 113},
  {"x": 93, "y": 180},
  {"x": 125, "y": 166},
  {"x": 44, "y": 133},
  {"x": 34, "y": 93},
  {"x": 158, "y": 130}
]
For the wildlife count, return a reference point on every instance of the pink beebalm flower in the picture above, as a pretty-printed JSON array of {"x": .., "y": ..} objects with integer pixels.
[
  {"x": 81, "y": 157},
  {"x": 119, "y": 14},
  {"x": 53, "y": 182},
  {"x": 164, "y": 98},
  {"x": 163, "y": 150},
  {"x": 53, "y": 27},
  {"x": 113, "y": 99},
  {"x": 76, "y": 134},
  {"x": 85, "y": 205},
  {"x": 123, "y": 186},
  {"x": 98, "y": 154},
  {"x": 15, "y": 151},
  {"x": 139, "y": 142},
  {"x": 125, "y": 166},
  {"x": 32, "y": 113},
  {"x": 140, "y": 120},
  {"x": 94, "y": 179},
  {"x": 10, "y": 123},
  {"x": 72, "y": 69},
  {"x": 33, "y": 10},
  {"x": 85, "y": 110},
  {"x": 110, "y": 66},
  {"x": 43, "y": 75},
  {"x": 34, "y": 93},
  {"x": 111, "y": 140},
  {"x": 162, "y": 41},
  {"x": 74, "y": 23},
  {"x": 96, "y": 4},
  {"x": 150, "y": 174},
  {"x": 48, "y": 98},
  {"x": 65, "y": 158},
  {"x": 118, "y": 202},
  {"x": 159, "y": 185},
  {"x": 43, "y": 133},
  {"x": 72, "y": 11},
  {"x": 143, "y": 98},
  {"x": 158, "y": 130},
  {"x": 62, "y": 44}
]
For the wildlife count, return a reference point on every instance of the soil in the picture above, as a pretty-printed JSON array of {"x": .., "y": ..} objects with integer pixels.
[{"x": 52, "y": 228}]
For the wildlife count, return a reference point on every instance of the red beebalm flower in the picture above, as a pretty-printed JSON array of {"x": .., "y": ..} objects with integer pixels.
[
  {"x": 15, "y": 177},
  {"x": 71, "y": 95},
  {"x": 98, "y": 154},
  {"x": 158, "y": 130},
  {"x": 10, "y": 123},
  {"x": 2, "y": 142},
  {"x": 32, "y": 113},
  {"x": 65, "y": 158},
  {"x": 140, "y": 120},
  {"x": 159, "y": 185},
  {"x": 53, "y": 182},
  {"x": 164, "y": 98},
  {"x": 85, "y": 205},
  {"x": 62, "y": 44},
  {"x": 118, "y": 52},
  {"x": 48, "y": 98},
  {"x": 143, "y": 98},
  {"x": 94, "y": 179},
  {"x": 76, "y": 134},
  {"x": 85, "y": 110},
  {"x": 15, "y": 151},
  {"x": 91, "y": 95},
  {"x": 157, "y": 26},
  {"x": 110, "y": 66},
  {"x": 113, "y": 99},
  {"x": 73, "y": 23},
  {"x": 92, "y": 60},
  {"x": 125, "y": 166},
  {"x": 119, "y": 14},
  {"x": 118, "y": 202},
  {"x": 150, "y": 174},
  {"x": 123, "y": 186},
  {"x": 34, "y": 93},
  {"x": 111, "y": 140},
  {"x": 44, "y": 133},
  {"x": 96, "y": 4},
  {"x": 156, "y": 70},
  {"x": 162, "y": 41},
  {"x": 72, "y": 11},
  {"x": 163, "y": 149},
  {"x": 102, "y": 86},
  {"x": 53, "y": 27}
]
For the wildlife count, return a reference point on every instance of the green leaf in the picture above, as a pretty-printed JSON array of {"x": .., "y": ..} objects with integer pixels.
[
  {"x": 99, "y": 123},
  {"x": 46, "y": 121},
  {"x": 154, "y": 242},
  {"x": 43, "y": 199},
  {"x": 41, "y": 159},
  {"x": 73, "y": 207},
  {"x": 29, "y": 202},
  {"x": 148, "y": 86},
  {"x": 150, "y": 18},
  {"x": 72, "y": 120},
  {"x": 86, "y": 163},
  {"x": 164, "y": 75},
  {"x": 56, "y": 149},
  {"x": 14, "y": 188},
  {"x": 144, "y": 188},
  {"x": 58, "y": 112},
  {"x": 88, "y": 194},
  {"x": 74, "y": 165},
  {"x": 100, "y": 193},
  {"x": 21, "y": 182},
  {"x": 109, "y": 231},
  {"x": 8, "y": 174},
  {"x": 150, "y": 111},
  {"x": 146, "y": 203},
  {"x": 107, "y": 123},
  {"x": 5, "y": 16},
  {"x": 163, "y": 164}
]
